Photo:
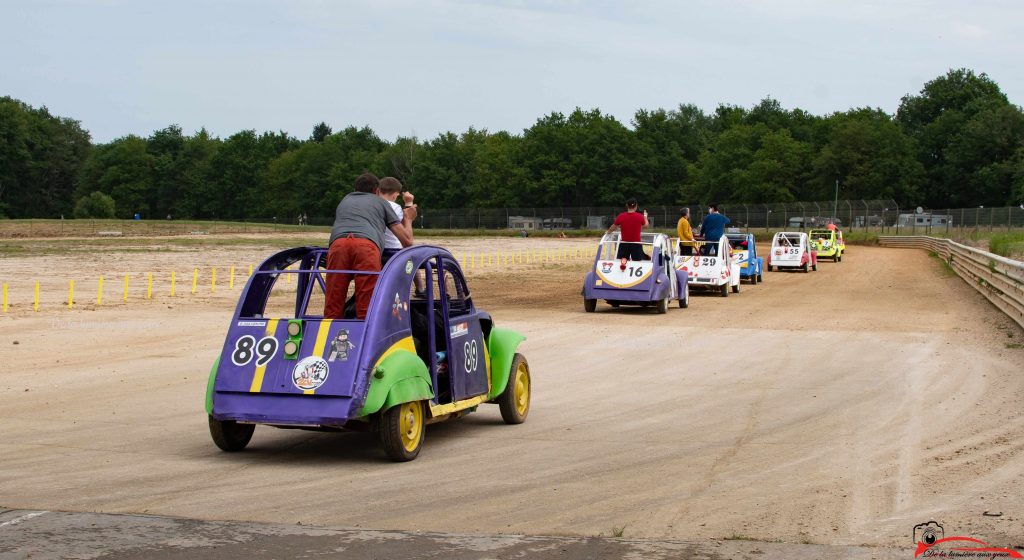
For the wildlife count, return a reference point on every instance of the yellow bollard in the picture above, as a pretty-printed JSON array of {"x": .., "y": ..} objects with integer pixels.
[
  {"x": 5, "y": 297},
  {"x": 149, "y": 286},
  {"x": 71, "y": 294},
  {"x": 99, "y": 293},
  {"x": 195, "y": 279},
  {"x": 35, "y": 299},
  {"x": 125, "y": 288},
  {"x": 172, "y": 283},
  {"x": 213, "y": 280},
  {"x": 231, "y": 282}
]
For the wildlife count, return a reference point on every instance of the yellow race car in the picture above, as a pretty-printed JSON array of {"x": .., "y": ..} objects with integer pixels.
[{"x": 828, "y": 243}]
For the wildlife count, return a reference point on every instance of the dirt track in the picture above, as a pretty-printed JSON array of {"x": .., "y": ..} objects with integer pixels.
[{"x": 839, "y": 407}]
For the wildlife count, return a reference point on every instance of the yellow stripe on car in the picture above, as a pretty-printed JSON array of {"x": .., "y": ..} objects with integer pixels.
[
  {"x": 321, "y": 343},
  {"x": 257, "y": 378}
]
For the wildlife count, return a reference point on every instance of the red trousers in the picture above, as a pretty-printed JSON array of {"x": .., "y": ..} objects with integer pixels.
[{"x": 351, "y": 253}]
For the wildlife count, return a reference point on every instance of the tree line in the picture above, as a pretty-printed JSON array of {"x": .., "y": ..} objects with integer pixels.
[{"x": 959, "y": 142}]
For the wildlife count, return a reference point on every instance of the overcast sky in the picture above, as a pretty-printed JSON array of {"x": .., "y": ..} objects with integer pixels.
[{"x": 421, "y": 68}]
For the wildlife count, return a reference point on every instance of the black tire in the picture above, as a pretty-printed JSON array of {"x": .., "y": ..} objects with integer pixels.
[
  {"x": 589, "y": 305},
  {"x": 736, "y": 288},
  {"x": 402, "y": 428},
  {"x": 760, "y": 278},
  {"x": 814, "y": 267},
  {"x": 230, "y": 435},
  {"x": 514, "y": 401},
  {"x": 839, "y": 257},
  {"x": 724, "y": 290},
  {"x": 663, "y": 306},
  {"x": 613, "y": 303},
  {"x": 804, "y": 268}
]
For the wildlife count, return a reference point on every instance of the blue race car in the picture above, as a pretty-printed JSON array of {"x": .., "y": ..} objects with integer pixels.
[{"x": 744, "y": 252}]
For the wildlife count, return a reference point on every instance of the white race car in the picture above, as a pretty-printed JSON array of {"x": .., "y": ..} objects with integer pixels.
[
  {"x": 712, "y": 267},
  {"x": 792, "y": 249}
]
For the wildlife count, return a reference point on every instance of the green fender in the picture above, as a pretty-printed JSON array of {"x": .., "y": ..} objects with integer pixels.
[
  {"x": 209, "y": 386},
  {"x": 401, "y": 377},
  {"x": 501, "y": 344}
]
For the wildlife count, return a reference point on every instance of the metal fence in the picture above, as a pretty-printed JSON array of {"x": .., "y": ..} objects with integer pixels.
[
  {"x": 883, "y": 216},
  {"x": 852, "y": 215}
]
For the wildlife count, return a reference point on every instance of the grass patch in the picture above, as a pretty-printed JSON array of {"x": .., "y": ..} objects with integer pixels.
[{"x": 1009, "y": 245}]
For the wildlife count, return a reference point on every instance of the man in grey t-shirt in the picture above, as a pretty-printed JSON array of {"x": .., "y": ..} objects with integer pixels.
[{"x": 356, "y": 241}]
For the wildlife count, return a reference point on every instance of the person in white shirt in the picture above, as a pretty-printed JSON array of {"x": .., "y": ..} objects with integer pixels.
[{"x": 390, "y": 189}]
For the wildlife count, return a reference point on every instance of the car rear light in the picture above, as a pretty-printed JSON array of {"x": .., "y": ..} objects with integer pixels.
[{"x": 291, "y": 347}]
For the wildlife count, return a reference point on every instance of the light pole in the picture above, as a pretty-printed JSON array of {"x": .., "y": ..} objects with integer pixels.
[{"x": 835, "y": 202}]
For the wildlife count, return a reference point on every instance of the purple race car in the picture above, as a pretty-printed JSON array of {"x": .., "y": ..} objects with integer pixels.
[
  {"x": 652, "y": 281},
  {"x": 424, "y": 353}
]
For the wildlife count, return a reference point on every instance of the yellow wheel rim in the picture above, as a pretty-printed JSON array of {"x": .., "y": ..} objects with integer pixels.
[
  {"x": 522, "y": 389},
  {"x": 411, "y": 425}
]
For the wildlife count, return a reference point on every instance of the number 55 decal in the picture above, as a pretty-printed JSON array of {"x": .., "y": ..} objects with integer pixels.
[{"x": 244, "y": 346}]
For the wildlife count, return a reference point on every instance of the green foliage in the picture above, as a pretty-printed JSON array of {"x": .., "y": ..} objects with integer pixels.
[
  {"x": 95, "y": 205},
  {"x": 958, "y": 143},
  {"x": 969, "y": 139},
  {"x": 40, "y": 157}
]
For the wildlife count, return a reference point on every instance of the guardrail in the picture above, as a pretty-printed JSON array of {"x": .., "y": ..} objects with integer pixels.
[{"x": 999, "y": 279}]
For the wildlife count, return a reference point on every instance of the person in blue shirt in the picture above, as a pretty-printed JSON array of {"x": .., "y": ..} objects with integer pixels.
[{"x": 712, "y": 229}]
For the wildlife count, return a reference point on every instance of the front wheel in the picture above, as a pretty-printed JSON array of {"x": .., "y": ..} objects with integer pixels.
[
  {"x": 230, "y": 435},
  {"x": 590, "y": 305},
  {"x": 805, "y": 269},
  {"x": 724, "y": 290},
  {"x": 736, "y": 288},
  {"x": 760, "y": 278},
  {"x": 514, "y": 401},
  {"x": 814, "y": 267},
  {"x": 401, "y": 431},
  {"x": 839, "y": 257}
]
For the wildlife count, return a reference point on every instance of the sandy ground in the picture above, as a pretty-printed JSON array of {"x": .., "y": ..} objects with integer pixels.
[{"x": 839, "y": 407}]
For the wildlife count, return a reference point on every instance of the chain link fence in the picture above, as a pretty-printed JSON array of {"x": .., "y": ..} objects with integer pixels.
[
  {"x": 883, "y": 216},
  {"x": 876, "y": 215}
]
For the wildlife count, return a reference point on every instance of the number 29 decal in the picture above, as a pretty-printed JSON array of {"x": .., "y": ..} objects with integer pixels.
[{"x": 246, "y": 346}]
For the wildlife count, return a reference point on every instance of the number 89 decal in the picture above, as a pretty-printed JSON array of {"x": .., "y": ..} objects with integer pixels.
[
  {"x": 470, "y": 356},
  {"x": 244, "y": 346}
]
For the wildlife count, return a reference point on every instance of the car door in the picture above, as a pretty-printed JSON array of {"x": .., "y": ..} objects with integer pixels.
[{"x": 467, "y": 349}]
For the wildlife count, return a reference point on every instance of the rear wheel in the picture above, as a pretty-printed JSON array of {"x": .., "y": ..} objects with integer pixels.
[
  {"x": 230, "y": 435},
  {"x": 724, "y": 290},
  {"x": 514, "y": 401},
  {"x": 401, "y": 431},
  {"x": 804, "y": 268},
  {"x": 663, "y": 306},
  {"x": 839, "y": 257},
  {"x": 736, "y": 288},
  {"x": 814, "y": 266},
  {"x": 589, "y": 305}
]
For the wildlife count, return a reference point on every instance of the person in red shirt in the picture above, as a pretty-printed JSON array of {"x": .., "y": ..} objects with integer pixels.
[{"x": 631, "y": 223}]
